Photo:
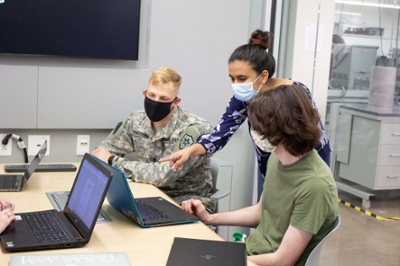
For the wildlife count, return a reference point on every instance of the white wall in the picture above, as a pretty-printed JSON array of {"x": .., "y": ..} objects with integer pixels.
[{"x": 195, "y": 38}]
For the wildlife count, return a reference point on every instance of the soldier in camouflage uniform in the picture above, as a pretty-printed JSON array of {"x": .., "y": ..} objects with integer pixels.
[{"x": 159, "y": 130}]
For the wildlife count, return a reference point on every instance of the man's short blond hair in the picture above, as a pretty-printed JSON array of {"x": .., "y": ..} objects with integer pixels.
[{"x": 165, "y": 75}]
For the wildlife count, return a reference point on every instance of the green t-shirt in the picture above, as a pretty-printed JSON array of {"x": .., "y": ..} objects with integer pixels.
[{"x": 303, "y": 195}]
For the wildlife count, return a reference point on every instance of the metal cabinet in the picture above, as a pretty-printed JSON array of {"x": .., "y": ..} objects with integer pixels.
[
  {"x": 388, "y": 168},
  {"x": 367, "y": 150}
]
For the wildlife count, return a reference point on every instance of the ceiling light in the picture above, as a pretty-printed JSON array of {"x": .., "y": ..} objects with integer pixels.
[{"x": 355, "y": 3}]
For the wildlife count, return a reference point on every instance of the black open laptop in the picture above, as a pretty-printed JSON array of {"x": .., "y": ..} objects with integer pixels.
[
  {"x": 17, "y": 182},
  {"x": 146, "y": 212},
  {"x": 72, "y": 227}
]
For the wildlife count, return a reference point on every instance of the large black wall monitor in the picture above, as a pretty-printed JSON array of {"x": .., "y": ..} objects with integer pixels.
[{"x": 104, "y": 29}]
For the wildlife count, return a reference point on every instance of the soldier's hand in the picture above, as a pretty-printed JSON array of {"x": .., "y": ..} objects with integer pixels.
[
  {"x": 177, "y": 159},
  {"x": 101, "y": 153}
]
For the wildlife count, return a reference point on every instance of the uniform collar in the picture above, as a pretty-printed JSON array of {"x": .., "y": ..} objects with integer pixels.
[{"x": 167, "y": 130}]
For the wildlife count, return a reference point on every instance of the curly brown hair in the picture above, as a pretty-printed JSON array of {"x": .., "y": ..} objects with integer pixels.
[{"x": 284, "y": 115}]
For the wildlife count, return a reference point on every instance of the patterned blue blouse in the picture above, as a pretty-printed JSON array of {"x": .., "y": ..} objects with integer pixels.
[{"x": 234, "y": 116}]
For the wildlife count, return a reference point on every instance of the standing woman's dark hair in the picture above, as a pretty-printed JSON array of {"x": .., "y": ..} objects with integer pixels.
[{"x": 255, "y": 54}]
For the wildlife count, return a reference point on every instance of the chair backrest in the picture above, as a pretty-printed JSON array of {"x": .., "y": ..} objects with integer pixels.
[
  {"x": 214, "y": 165},
  {"x": 217, "y": 193},
  {"x": 313, "y": 258}
]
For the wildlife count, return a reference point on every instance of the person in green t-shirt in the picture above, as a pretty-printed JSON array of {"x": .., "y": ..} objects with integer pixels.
[{"x": 299, "y": 202}]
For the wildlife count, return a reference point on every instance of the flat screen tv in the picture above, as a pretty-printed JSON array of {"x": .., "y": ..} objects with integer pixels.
[{"x": 103, "y": 29}]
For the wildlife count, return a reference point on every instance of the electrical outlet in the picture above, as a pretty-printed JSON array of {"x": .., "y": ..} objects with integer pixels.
[
  {"x": 35, "y": 142},
  {"x": 5, "y": 150},
  {"x": 83, "y": 144}
]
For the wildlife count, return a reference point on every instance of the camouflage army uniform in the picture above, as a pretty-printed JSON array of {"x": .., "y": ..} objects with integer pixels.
[{"x": 136, "y": 134}]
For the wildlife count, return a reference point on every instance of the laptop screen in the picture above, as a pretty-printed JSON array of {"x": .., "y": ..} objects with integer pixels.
[
  {"x": 87, "y": 192},
  {"x": 35, "y": 162}
]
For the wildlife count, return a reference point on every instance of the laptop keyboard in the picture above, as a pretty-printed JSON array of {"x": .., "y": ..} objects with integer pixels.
[
  {"x": 8, "y": 181},
  {"x": 41, "y": 168},
  {"x": 46, "y": 228},
  {"x": 148, "y": 212}
]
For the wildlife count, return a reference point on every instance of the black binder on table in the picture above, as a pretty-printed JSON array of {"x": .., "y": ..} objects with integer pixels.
[{"x": 196, "y": 252}]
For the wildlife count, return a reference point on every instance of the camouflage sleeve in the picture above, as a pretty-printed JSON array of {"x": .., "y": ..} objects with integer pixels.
[
  {"x": 160, "y": 174},
  {"x": 118, "y": 142},
  {"x": 188, "y": 138}
]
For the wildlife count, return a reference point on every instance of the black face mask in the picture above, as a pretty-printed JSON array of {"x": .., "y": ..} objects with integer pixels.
[{"x": 156, "y": 111}]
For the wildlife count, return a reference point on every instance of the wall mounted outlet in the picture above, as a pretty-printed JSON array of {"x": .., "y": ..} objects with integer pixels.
[
  {"x": 35, "y": 142},
  {"x": 83, "y": 144},
  {"x": 5, "y": 150}
]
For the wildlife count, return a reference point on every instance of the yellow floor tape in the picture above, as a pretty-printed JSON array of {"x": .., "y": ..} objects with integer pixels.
[{"x": 380, "y": 218}]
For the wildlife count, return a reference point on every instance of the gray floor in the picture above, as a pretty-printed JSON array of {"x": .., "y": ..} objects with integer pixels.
[{"x": 362, "y": 239}]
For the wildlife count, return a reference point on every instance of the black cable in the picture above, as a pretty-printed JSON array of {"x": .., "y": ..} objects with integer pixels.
[
  {"x": 21, "y": 143},
  {"x": 5, "y": 139},
  {"x": 26, "y": 156}
]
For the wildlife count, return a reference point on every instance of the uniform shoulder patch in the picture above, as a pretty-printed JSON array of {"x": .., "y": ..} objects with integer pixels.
[
  {"x": 117, "y": 127},
  {"x": 186, "y": 141}
]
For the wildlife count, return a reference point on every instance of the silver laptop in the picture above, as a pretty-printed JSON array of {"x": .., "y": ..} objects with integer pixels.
[{"x": 17, "y": 182}]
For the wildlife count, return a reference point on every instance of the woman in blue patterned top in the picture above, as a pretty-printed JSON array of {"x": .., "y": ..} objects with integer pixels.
[{"x": 251, "y": 69}]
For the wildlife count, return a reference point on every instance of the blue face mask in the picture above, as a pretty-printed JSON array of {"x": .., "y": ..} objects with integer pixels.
[{"x": 244, "y": 91}]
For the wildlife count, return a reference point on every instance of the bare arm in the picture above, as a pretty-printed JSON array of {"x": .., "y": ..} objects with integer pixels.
[
  {"x": 252, "y": 214},
  {"x": 293, "y": 245}
]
